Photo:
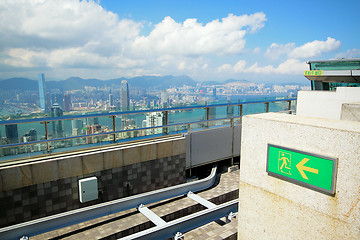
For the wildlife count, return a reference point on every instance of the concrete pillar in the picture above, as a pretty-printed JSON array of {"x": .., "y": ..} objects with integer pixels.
[{"x": 271, "y": 208}]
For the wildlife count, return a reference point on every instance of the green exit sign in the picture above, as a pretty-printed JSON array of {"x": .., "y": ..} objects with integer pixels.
[
  {"x": 313, "y": 72},
  {"x": 305, "y": 169}
]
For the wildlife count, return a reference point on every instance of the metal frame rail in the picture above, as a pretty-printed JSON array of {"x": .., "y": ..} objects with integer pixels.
[
  {"x": 184, "y": 224},
  {"x": 57, "y": 221}
]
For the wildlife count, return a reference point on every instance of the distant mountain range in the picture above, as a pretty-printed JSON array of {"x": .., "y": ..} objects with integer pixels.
[{"x": 74, "y": 83}]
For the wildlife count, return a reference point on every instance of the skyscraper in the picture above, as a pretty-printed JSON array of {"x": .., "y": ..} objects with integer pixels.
[
  {"x": 111, "y": 100},
  {"x": 42, "y": 91},
  {"x": 214, "y": 94},
  {"x": 67, "y": 102},
  {"x": 12, "y": 133},
  {"x": 124, "y": 96},
  {"x": 57, "y": 126}
]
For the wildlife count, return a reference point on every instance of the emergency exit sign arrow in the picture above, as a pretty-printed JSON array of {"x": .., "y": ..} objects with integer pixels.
[{"x": 302, "y": 168}]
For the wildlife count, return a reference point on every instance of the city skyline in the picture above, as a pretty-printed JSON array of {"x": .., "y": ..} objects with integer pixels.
[{"x": 207, "y": 40}]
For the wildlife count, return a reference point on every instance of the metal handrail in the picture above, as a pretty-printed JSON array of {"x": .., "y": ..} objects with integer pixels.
[
  {"x": 72, "y": 117},
  {"x": 111, "y": 133},
  {"x": 46, "y": 121}
]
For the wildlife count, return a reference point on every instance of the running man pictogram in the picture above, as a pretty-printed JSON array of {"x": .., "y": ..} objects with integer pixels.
[{"x": 285, "y": 161}]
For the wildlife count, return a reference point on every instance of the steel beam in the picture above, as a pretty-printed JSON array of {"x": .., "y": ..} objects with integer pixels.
[
  {"x": 201, "y": 200},
  {"x": 158, "y": 221}
]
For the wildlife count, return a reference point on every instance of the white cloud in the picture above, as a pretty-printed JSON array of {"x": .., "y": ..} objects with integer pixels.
[
  {"x": 257, "y": 50},
  {"x": 70, "y": 35},
  {"x": 315, "y": 48},
  {"x": 192, "y": 38},
  {"x": 240, "y": 66},
  {"x": 306, "y": 51},
  {"x": 290, "y": 66},
  {"x": 225, "y": 68},
  {"x": 73, "y": 34},
  {"x": 351, "y": 53},
  {"x": 275, "y": 51}
]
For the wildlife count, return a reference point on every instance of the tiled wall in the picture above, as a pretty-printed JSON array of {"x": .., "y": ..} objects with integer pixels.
[{"x": 40, "y": 200}]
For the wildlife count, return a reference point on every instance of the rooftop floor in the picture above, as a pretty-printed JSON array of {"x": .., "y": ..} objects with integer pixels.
[{"x": 124, "y": 223}]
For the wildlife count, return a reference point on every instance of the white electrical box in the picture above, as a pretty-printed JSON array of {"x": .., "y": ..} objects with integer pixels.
[{"x": 88, "y": 189}]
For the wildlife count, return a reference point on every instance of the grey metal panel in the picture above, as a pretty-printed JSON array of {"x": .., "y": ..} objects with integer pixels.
[
  {"x": 237, "y": 140},
  {"x": 356, "y": 75},
  {"x": 337, "y": 73},
  {"x": 208, "y": 146}
]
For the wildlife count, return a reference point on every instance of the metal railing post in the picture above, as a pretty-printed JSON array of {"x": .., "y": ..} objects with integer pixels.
[
  {"x": 46, "y": 135},
  {"x": 207, "y": 116},
  {"x": 267, "y": 106},
  {"x": 289, "y": 106},
  {"x": 232, "y": 140},
  {"x": 166, "y": 118},
  {"x": 114, "y": 127},
  {"x": 240, "y": 110}
]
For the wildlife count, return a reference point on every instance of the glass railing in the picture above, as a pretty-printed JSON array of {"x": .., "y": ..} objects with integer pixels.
[{"x": 26, "y": 138}]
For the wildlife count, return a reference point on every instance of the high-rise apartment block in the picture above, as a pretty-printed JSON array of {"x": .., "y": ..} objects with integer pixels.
[
  {"x": 67, "y": 102},
  {"x": 152, "y": 120},
  {"x": 124, "y": 96}
]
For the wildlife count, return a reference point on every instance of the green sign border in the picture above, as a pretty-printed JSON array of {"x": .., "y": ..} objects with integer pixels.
[{"x": 304, "y": 184}]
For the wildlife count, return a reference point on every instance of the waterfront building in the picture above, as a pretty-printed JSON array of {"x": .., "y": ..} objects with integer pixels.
[
  {"x": 42, "y": 91},
  {"x": 29, "y": 136},
  {"x": 57, "y": 126},
  {"x": 124, "y": 96},
  {"x": 152, "y": 120},
  {"x": 126, "y": 122},
  {"x": 12, "y": 133}
]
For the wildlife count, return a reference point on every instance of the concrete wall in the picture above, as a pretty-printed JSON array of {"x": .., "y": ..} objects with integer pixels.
[
  {"x": 33, "y": 190},
  {"x": 350, "y": 112},
  {"x": 270, "y": 208},
  {"x": 325, "y": 104}
]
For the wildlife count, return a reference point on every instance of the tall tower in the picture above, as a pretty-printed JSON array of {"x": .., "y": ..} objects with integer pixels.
[
  {"x": 12, "y": 133},
  {"x": 67, "y": 102},
  {"x": 57, "y": 126},
  {"x": 111, "y": 100},
  {"x": 124, "y": 96},
  {"x": 42, "y": 91}
]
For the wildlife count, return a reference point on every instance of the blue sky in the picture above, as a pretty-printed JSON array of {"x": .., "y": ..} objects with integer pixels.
[{"x": 260, "y": 41}]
